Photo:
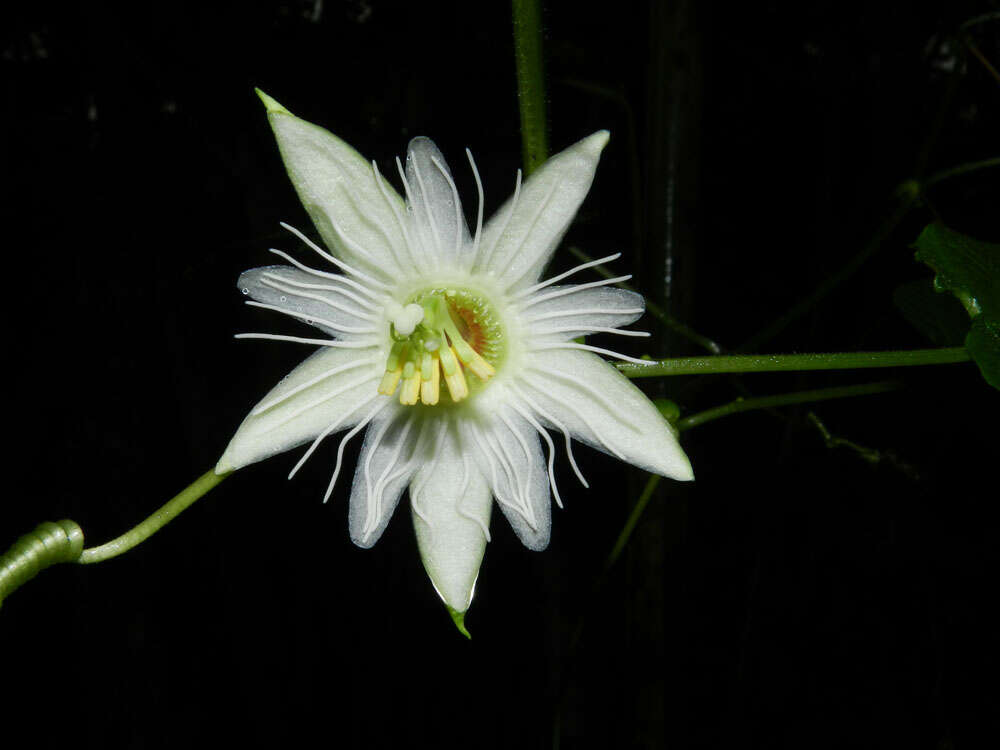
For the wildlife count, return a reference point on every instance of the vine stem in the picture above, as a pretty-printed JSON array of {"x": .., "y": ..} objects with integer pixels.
[
  {"x": 167, "y": 513},
  {"x": 794, "y": 362},
  {"x": 527, "y": 17}
]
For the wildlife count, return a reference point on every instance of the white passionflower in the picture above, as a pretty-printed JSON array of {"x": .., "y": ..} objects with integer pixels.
[{"x": 419, "y": 300}]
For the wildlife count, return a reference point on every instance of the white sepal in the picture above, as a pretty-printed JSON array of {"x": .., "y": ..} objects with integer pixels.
[
  {"x": 356, "y": 217},
  {"x": 564, "y": 314},
  {"x": 521, "y": 237},
  {"x": 390, "y": 456},
  {"x": 451, "y": 503},
  {"x": 433, "y": 202},
  {"x": 333, "y": 387},
  {"x": 328, "y": 304},
  {"x": 509, "y": 455},
  {"x": 602, "y": 408}
]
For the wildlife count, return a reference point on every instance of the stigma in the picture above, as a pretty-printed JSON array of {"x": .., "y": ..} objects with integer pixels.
[{"x": 431, "y": 342}]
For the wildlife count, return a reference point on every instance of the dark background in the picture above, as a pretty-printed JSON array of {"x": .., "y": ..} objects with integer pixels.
[{"x": 795, "y": 596}]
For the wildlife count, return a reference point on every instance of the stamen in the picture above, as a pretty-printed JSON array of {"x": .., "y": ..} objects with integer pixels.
[
  {"x": 570, "y": 272},
  {"x": 479, "y": 215},
  {"x": 454, "y": 375},
  {"x": 410, "y": 392},
  {"x": 430, "y": 382},
  {"x": 332, "y": 259}
]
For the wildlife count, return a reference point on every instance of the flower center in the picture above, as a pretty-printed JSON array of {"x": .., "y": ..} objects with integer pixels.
[{"x": 449, "y": 333}]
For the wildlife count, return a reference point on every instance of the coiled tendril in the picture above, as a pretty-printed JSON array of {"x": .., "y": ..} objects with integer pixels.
[{"x": 49, "y": 543}]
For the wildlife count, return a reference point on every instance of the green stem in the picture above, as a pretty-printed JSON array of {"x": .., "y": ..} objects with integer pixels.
[
  {"x": 527, "y": 18},
  {"x": 784, "y": 399},
  {"x": 961, "y": 169},
  {"x": 794, "y": 362},
  {"x": 633, "y": 519},
  {"x": 199, "y": 487}
]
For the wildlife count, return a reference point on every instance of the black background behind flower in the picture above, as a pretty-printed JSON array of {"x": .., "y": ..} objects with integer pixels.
[{"x": 795, "y": 596}]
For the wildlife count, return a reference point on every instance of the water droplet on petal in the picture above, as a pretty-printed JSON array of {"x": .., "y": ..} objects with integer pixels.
[
  {"x": 284, "y": 298},
  {"x": 245, "y": 290}
]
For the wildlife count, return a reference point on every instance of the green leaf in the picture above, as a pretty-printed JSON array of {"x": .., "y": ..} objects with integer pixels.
[
  {"x": 941, "y": 318},
  {"x": 969, "y": 269}
]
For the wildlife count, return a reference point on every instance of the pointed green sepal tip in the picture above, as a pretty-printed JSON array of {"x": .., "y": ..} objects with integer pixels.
[
  {"x": 273, "y": 106},
  {"x": 459, "y": 620}
]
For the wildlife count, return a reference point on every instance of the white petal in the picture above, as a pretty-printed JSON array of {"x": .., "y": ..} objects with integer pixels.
[
  {"x": 509, "y": 455},
  {"x": 434, "y": 203},
  {"x": 516, "y": 246},
  {"x": 324, "y": 303},
  {"x": 601, "y": 407},
  {"x": 356, "y": 217},
  {"x": 333, "y": 386},
  {"x": 451, "y": 503},
  {"x": 564, "y": 316},
  {"x": 388, "y": 460}
]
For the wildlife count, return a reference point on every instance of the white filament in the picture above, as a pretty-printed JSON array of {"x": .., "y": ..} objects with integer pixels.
[
  {"x": 570, "y": 272},
  {"x": 595, "y": 349},
  {"x": 479, "y": 214},
  {"x": 572, "y": 290},
  {"x": 332, "y": 259}
]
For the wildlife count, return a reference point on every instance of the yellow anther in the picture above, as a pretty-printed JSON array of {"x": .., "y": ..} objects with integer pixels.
[
  {"x": 457, "y": 386},
  {"x": 430, "y": 388},
  {"x": 411, "y": 388},
  {"x": 480, "y": 366},
  {"x": 448, "y": 362},
  {"x": 389, "y": 381}
]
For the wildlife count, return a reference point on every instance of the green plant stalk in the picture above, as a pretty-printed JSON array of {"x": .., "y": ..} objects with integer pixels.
[
  {"x": 527, "y": 19},
  {"x": 736, "y": 407},
  {"x": 784, "y": 399},
  {"x": 794, "y": 362},
  {"x": 167, "y": 513}
]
